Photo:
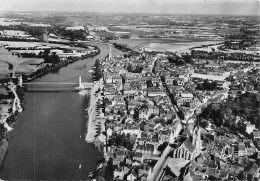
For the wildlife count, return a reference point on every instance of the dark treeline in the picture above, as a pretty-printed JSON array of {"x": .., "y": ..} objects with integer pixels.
[
  {"x": 221, "y": 55},
  {"x": 98, "y": 70},
  {"x": 123, "y": 47},
  {"x": 38, "y": 32}
]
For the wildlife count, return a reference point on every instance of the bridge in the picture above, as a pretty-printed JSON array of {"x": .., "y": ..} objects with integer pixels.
[
  {"x": 57, "y": 86},
  {"x": 50, "y": 83}
]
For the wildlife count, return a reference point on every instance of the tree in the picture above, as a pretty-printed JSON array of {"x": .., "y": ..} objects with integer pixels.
[
  {"x": 213, "y": 85},
  {"x": 123, "y": 139},
  {"x": 46, "y": 52},
  {"x": 130, "y": 68},
  {"x": 187, "y": 58},
  {"x": 162, "y": 147},
  {"x": 149, "y": 83},
  {"x": 98, "y": 70},
  {"x": 207, "y": 85},
  {"x": 174, "y": 82},
  {"x": 204, "y": 123}
]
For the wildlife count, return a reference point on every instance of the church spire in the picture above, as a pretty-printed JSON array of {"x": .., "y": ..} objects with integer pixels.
[{"x": 196, "y": 141}]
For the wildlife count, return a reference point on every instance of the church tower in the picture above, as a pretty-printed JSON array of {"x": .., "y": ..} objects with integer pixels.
[
  {"x": 110, "y": 53},
  {"x": 196, "y": 138}
]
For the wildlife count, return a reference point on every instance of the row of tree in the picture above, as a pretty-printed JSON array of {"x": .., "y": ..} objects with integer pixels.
[{"x": 98, "y": 70}]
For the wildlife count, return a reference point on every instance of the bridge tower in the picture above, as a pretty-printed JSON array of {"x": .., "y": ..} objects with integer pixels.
[
  {"x": 20, "y": 81},
  {"x": 80, "y": 83}
]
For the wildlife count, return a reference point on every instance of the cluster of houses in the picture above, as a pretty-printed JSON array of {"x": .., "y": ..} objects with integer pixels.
[
  {"x": 144, "y": 106},
  {"x": 139, "y": 107}
]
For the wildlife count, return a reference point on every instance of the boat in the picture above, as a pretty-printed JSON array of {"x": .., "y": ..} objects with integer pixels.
[
  {"x": 91, "y": 175},
  {"x": 79, "y": 166}
]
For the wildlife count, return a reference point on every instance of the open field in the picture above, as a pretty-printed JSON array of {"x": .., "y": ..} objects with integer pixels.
[
  {"x": 20, "y": 64},
  {"x": 176, "y": 47},
  {"x": 138, "y": 41},
  {"x": 180, "y": 44}
]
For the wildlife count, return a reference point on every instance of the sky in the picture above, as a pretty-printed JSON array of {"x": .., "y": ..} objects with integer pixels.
[{"x": 225, "y": 7}]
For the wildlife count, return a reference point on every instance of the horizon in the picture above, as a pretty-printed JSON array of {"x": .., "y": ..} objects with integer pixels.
[{"x": 185, "y": 7}]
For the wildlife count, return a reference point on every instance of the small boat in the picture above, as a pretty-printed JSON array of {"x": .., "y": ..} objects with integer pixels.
[
  {"x": 79, "y": 166},
  {"x": 90, "y": 175}
]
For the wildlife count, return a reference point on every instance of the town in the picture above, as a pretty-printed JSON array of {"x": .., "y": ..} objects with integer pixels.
[{"x": 148, "y": 105}]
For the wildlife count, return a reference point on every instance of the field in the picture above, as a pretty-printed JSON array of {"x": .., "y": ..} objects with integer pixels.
[
  {"x": 20, "y": 64},
  {"x": 176, "y": 47},
  {"x": 166, "y": 44}
]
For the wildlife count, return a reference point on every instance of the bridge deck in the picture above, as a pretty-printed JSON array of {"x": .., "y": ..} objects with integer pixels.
[{"x": 49, "y": 83}]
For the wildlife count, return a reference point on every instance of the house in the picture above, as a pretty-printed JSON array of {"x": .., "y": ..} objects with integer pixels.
[
  {"x": 145, "y": 149},
  {"x": 143, "y": 114},
  {"x": 135, "y": 164},
  {"x": 118, "y": 173},
  {"x": 153, "y": 110},
  {"x": 132, "y": 176},
  {"x": 186, "y": 97},
  {"x": 169, "y": 80},
  {"x": 118, "y": 98},
  {"x": 175, "y": 81},
  {"x": 241, "y": 149},
  {"x": 164, "y": 136},
  {"x": 155, "y": 92},
  {"x": 212, "y": 171},
  {"x": 149, "y": 149},
  {"x": 117, "y": 79},
  {"x": 155, "y": 80},
  {"x": 256, "y": 134},
  {"x": 138, "y": 156},
  {"x": 132, "y": 131},
  {"x": 120, "y": 154}
]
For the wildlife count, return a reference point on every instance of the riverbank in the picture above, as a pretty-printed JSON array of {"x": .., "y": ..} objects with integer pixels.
[
  {"x": 11, "y": 106},
  {"x": 95, "y": 115}
]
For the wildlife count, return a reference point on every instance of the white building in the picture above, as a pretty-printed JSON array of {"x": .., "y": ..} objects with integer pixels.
[{"x": 75, "y": 28}]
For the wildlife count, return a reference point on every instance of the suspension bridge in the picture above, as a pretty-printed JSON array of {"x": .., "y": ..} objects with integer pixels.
[{"x": 57, "y": 86}]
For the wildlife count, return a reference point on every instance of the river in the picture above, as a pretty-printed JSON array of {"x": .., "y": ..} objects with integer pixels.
[{"x": 46, "y": 143}]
